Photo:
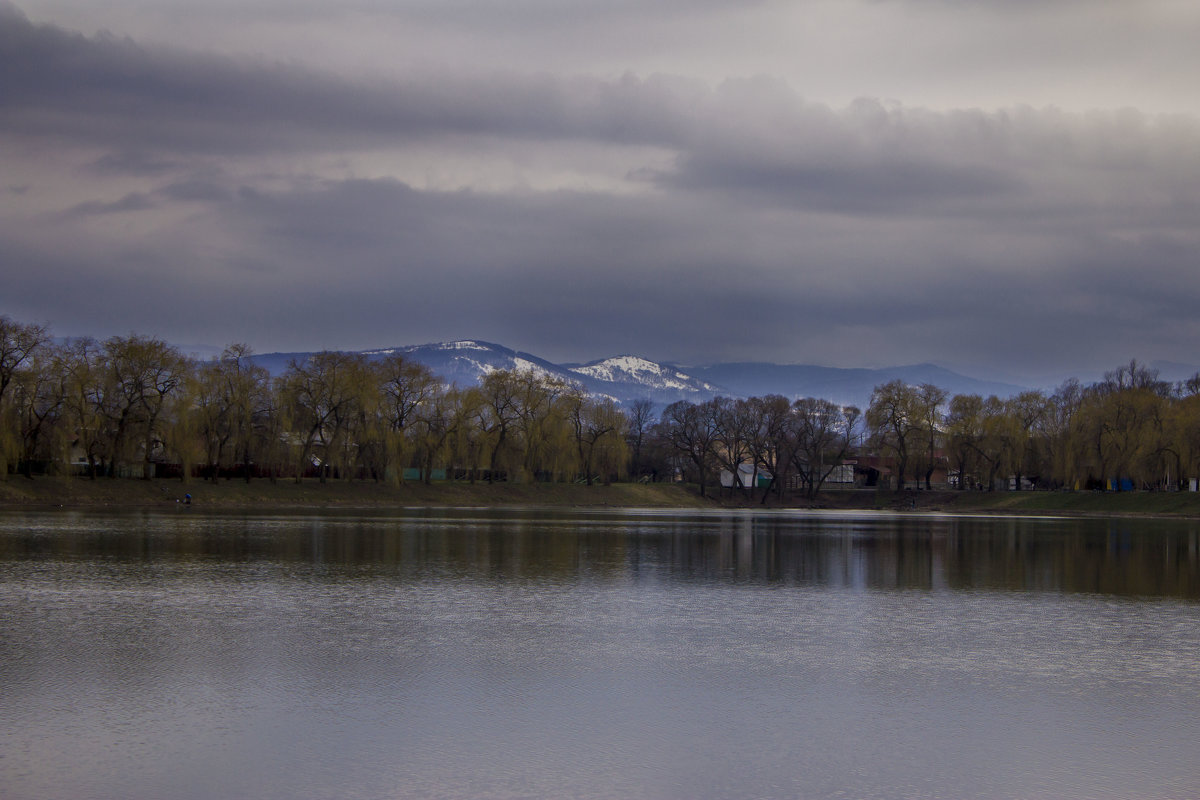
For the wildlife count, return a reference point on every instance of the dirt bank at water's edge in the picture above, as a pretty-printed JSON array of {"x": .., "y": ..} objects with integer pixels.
[
  {"x": 1165, "y": 504},
  {"x": 81, "y": 492}
]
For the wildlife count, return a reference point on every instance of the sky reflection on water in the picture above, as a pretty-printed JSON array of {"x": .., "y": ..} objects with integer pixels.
[
  {"x": 1148, "y": 558},
  {"x": 477, "y": 654}
]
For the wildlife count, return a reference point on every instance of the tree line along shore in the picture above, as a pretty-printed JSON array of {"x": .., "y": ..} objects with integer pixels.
[{"x": 136, "y": 407}]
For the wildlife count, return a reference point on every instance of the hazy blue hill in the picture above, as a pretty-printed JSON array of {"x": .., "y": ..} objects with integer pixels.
[
  {"x": 951, "y": 381},
  {"x": 847, "y": 386},
  {"x": 1174, "y": 371},
  {"x": 758, "y": 378},
  {"x": 276, "y": 363}
]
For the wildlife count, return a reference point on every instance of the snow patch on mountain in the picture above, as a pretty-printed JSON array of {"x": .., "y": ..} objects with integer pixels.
[
  {"x": 481, "y": 367},
  {"x": 462, "y": 344},
  {"x": 523, "y": 365},
  {"x": 632, "y": 369}
]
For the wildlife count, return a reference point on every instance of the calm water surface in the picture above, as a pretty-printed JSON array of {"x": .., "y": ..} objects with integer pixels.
[{"x": 519, "y": 653}]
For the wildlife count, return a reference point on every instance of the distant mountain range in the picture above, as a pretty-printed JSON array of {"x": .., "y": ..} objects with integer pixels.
[{"x": 628, "y": 378}]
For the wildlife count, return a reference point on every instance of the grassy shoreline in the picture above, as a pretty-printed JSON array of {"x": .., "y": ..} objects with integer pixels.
[
  {"x": 130, "y": 493},
  {"x": 103, "y": 492}
]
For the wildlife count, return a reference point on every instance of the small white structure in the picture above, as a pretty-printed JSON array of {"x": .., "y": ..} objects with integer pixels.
[{"x": 745, "y": 477}]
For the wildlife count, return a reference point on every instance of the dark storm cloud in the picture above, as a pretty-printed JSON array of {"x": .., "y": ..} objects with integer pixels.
[
  {"x": 752, "y": 135},
  {"x": 563, "y": 270},
  {"x": 112, "y": 91},
  {"x": 134, "y": 201},
  {"x": 196, "y": 196},
  {"x": 852, "y": 189},
  {"x": 133, "y": 163},
  {"x": 199, "y": 190},
  {"x": 582, "y": 275}
]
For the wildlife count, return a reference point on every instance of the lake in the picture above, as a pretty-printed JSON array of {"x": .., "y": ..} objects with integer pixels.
[{"x": 521, "y": 653}]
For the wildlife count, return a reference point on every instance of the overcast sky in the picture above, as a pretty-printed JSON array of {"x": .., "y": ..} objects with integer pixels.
[{"x": 1007, "y": 187}]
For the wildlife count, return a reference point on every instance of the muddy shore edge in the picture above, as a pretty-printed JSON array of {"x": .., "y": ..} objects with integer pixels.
[{"x": 19, "y": 492}]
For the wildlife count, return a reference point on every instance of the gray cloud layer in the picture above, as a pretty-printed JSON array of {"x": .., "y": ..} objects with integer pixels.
[{"x": 201, "y": 196}]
